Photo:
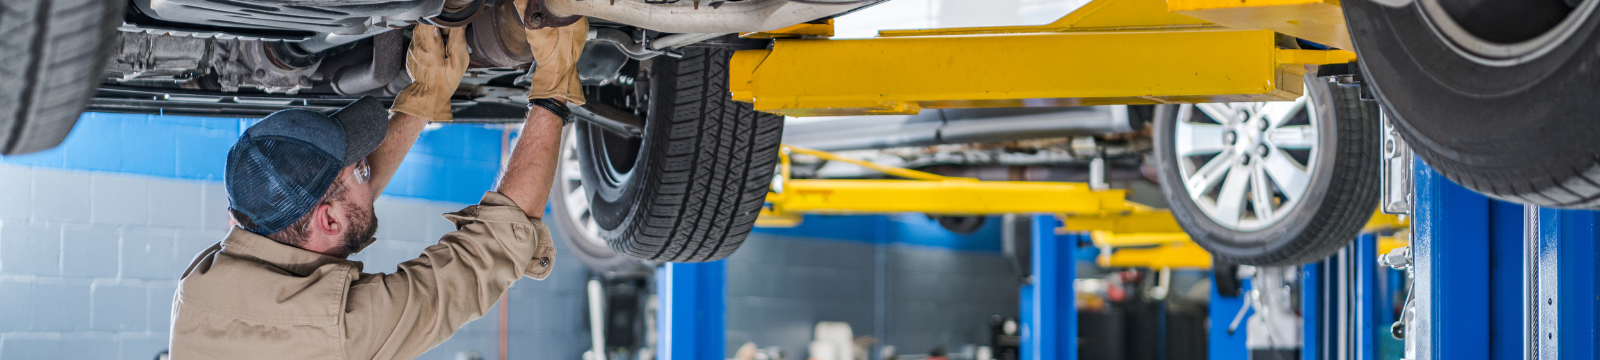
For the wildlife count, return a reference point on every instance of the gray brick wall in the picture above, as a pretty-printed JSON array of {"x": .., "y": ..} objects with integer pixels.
[
  {"x": 128, "y": 237},
  {"x": 89, "y": 262},
  {"x": 779, "y": 287}
]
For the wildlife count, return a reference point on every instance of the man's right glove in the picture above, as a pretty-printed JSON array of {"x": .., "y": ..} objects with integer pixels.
[
  {"x": 555, "y": 59},
  {"x": 435, "y": 63}
]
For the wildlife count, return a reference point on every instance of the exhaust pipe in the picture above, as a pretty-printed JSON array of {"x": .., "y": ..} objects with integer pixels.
[{"x": 959, "y": 126}]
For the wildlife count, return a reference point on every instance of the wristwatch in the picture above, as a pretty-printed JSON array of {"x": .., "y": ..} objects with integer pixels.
[{"x": 555, "y": 107}]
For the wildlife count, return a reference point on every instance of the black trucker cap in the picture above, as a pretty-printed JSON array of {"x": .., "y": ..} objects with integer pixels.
[{"x": 282, "y": 165}]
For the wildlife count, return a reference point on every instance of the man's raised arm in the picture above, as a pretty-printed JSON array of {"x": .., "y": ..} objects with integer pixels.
[{"x": 436, "y": 61}]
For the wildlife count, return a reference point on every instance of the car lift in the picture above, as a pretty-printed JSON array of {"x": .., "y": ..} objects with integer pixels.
[{"x": 1477, "y": 293}]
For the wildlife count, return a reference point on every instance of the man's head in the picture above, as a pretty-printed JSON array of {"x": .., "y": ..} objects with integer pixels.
[{"x": 300, "y": 178}]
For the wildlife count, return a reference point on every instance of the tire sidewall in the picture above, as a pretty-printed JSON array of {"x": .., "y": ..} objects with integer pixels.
[
  {"x": 1234, "y": 244},
  {"x": 1480, "y": 124},
  {"x": 601, "y": 259},
  {"x": 614, "y": 208}
]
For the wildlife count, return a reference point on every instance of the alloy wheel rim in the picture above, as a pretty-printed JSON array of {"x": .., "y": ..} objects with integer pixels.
[
  {"x": 575, "y": 198},
  {"x": 1490, "y": 53},
  {"x": 1246, "y": 165}
]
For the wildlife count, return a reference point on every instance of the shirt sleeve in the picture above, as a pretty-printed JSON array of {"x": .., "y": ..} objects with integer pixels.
[{"x": 405, "y": 313}]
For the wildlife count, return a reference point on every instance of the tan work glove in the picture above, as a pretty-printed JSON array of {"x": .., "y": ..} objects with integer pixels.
[
  {"x": 435, "y": 63},
  {"x": 555, "y": 56}
]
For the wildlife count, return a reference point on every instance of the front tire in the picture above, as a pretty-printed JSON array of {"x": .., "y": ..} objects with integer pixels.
[
  {"x": 1292, "y": 184},
  {"x": 51, "y": 59},
  {"x": 573, "y": 221},
  {"x": 690, "y": 189},
  {"x": 1497, "y": 96}
]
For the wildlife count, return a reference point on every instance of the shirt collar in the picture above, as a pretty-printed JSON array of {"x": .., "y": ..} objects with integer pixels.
[{"x": 296, "y": 260}]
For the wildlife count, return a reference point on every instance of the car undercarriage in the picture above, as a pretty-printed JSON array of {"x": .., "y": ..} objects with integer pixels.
[{"x": 252, "y": 57}]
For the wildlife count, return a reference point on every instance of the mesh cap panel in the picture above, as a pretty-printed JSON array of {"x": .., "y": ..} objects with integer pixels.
[{"x": 275, "y": 180}]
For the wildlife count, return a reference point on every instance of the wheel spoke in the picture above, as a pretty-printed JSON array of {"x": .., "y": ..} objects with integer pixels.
[
  {"x": 1231, "y": 199},
  {"x": 1290, "y": 176},
  {"x": 1198, "y": 139},
  {"x": 1293, "y": 137},
  {"x": 1222, "y": 113},
  {"x": 1210, "y": 173},
  {"x": 592, "y": 228},
  {"x": 572, "y": 173},
  {"x": 1278, "y": 112},
  {"x": 577, "y": 200},
  {"x": 1260, "y": 193}
]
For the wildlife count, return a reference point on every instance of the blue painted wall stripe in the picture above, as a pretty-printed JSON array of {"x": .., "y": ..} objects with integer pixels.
[
  {"x": 693, "y": 317},
  {"x": 910, "y": 229},
  {"x": 453, "y": 162}
]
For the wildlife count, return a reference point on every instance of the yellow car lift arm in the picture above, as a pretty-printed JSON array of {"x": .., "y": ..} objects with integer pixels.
[
  {"x": 1107, "y": 52},
  {"x": 1128, "y": 234}
]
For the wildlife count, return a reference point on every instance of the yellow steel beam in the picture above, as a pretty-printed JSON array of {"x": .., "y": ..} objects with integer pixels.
[
  {"x": 952, "y": 197},
  {"x": 1136, "y": 220},
  {"x": 1107, "y": 239},
  {"x": 902, "y": 75},
  {"x": 1175, "y": 256},
  {"x": 929, "y": 193},
  {"x": 1320, "y": 21}
]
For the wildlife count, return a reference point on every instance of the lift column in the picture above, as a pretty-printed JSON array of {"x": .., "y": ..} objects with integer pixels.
[
  {"x": 1050, "y": 312},
  {"x": 1495, "y": 280},
  {"x": 1465, "y": 249},
  {"x": 692, "y": 315}
]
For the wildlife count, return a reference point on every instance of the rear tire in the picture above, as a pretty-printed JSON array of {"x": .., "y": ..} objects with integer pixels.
[
  {"x": 1317, "y": 213},
  {"x": 51, "y": 59},
  {"x": 692, "y": 187}
]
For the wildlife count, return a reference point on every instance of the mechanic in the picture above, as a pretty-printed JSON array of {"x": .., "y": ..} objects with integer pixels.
[{"x": 301, "y": 187}]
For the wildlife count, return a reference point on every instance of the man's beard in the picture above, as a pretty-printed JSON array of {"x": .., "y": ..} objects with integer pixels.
[{"x": 363, "y": 224}]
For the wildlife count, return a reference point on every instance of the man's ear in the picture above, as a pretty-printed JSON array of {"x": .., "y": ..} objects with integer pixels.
[{"x": 326, "y": 219}]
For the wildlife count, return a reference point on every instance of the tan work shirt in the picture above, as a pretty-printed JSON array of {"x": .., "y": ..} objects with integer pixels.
[{"x": 249, "y": 297}]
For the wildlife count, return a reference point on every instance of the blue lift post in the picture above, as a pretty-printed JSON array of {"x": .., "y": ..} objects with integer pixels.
[
  {"x": 692, "y": 315},
  {"x": 1497, "y": 280},
  {"x": 1451, "y": 233},
  {"x": 1220, "y": 344},
  {"x": 1345, "y": 306},
  {"x": 1049, "y": 304}
]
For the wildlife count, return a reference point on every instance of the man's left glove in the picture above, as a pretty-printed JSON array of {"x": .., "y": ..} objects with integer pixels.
[{"x": 436, "y": 61}]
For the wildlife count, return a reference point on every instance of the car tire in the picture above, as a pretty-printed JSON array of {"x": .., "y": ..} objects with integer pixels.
[
  {"x": 690, "y": 188},
  {"x": 1335, "y": 173},
  {"x": 571, "y": 219},
  {"x": 51, "y": 59},
  {"x": 1509, "y": 116}
]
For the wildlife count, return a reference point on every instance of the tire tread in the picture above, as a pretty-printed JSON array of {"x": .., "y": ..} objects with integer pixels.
[
  {"x": 716, "y": 161},
  {"x": 50, "y": 58}
]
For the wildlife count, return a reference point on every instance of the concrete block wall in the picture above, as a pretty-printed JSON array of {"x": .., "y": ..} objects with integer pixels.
[
  {"x": 900, "y": 279},
  {"x": 94, "y": 234}
]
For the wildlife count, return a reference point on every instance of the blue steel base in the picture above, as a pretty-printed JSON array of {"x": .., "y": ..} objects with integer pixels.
[
  {"x": 691, "y": 319},
  {"x": 1498, "y": 281},
  {"x": 1348, "y": 305},
  {"x": 1049, "y": 309}
]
